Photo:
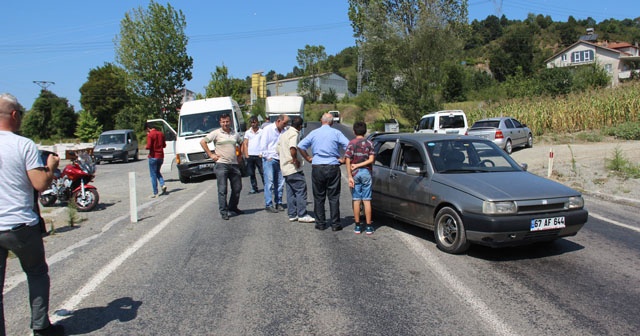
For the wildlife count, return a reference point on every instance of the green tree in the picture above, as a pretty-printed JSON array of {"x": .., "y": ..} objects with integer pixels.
[
  {"x": 310, "y": 61},
  {"x": 514, "y": 52},
  {"x": 51, "y": 117},
  {"x": 105, "y": 94},
  {"x": 221, "y": 85},
  {"x": 152, "y": 48},
  {"x": 403, "y": 47},
  {"x": 88, "y": 127}
]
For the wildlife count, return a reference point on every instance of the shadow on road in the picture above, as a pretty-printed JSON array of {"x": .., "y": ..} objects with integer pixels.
[{"x": 87, "y": 320}]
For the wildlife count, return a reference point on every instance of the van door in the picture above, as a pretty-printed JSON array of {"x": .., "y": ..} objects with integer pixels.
[{"x": 170, "y": 139}]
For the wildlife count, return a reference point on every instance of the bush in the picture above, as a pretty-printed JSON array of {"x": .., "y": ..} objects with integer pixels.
[
  {"x": 367, "y": 100},
  {"x": 626, "y": 131}
]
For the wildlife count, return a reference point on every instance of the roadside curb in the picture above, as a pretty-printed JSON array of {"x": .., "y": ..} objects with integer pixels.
[{"x": 619, "y": 199}]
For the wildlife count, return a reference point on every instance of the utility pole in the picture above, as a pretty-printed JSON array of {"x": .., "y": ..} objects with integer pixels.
[{"x": 43, "y": 84}]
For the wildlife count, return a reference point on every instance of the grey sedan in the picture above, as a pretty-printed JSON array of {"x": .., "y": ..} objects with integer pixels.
[
  {"x": 506, "y": 132},
  {"x": 467, "y": 190}
]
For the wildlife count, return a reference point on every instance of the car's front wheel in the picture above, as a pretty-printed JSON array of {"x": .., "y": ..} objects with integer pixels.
[{"x": 450, "y": 232}]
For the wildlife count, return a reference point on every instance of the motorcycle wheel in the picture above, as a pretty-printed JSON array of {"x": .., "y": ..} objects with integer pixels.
[
  {"x": 47, "y": 200},
  {"x": 86, "y": 203}
]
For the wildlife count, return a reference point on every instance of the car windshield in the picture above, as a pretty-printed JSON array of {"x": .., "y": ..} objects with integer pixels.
[
  {"x": 201, "y": 123},
  {"x": 469, "y": 156},
  {"x": 486, "y": 123},
  {"x": 111, "y": 139}
]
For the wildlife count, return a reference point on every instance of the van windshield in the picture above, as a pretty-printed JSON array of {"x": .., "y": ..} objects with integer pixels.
[
  {"x": 201, "y": 123},
  {"x": 111, "y": 139}
]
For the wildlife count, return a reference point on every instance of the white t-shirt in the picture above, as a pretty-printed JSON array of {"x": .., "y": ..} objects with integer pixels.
[
  {"x": 253, "y": 147},
  {"x": 17, "y": 156}
]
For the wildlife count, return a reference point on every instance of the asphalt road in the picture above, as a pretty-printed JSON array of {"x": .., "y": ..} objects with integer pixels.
[{"x": 181, "y": 270}]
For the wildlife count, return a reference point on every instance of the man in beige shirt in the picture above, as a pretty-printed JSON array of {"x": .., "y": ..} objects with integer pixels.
[
  {"x": 226, "y": 142},
  {"x": 291, "y": 167}
]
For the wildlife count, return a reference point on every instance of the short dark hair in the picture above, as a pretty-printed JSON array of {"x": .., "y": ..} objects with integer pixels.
[
  {"x": 296, "y": 122},
  {"x": 225, "y": 116},
  {"x": 253, "y": 118},
  {"x": 147, "y": 125},
  {"x": 359, "y": 128}
]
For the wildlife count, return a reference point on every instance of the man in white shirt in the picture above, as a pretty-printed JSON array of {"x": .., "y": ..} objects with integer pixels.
[{"x": 251, "y": 153}]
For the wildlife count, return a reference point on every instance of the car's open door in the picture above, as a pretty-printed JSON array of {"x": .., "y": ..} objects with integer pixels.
[{"x": 170, "y": 139}]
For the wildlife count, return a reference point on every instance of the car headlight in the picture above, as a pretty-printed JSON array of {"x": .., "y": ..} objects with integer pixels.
[
  {"x": 575, "y": 202},
  {"x": 499, "y": 208}
]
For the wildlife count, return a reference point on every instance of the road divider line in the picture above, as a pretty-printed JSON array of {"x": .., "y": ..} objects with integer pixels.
[
  {"x": 611, "y": 221},
  {"x": 477, "y": 305},
  {"x": 97, "y": 279}
]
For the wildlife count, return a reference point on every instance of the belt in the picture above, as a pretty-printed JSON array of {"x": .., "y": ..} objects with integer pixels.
[
  {"x": 325, "y": 165},
  {"x": 15, "y": 228}
]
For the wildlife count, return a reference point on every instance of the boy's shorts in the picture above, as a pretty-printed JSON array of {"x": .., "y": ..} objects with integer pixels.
[{"x": 362, "y": 189}]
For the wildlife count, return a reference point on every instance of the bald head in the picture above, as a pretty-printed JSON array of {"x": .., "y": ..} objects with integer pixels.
[
  {"x": 10, "y": 113},
  {"x": 327, "y": 119},
  {"x": 8, "y": 103}
]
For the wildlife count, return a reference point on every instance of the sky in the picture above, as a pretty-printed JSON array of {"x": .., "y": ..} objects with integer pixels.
[{"x": 54, "y": 44}]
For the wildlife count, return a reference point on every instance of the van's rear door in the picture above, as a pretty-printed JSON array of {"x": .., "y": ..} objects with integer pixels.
[{"x": 170, "y": 139}]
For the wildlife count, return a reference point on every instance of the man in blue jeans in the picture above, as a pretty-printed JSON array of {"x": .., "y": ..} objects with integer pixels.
[
  {"x": 273, "y": 179},
  {"x": 155, "y": 145},
  {"x": 327, "y": 142},
  {"x": 22, "y": 172}
]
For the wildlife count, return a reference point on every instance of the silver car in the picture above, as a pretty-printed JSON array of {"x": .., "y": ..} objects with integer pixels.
[
  {"x": 468, "y": 190},
  {"x": 506, "y": 132}
]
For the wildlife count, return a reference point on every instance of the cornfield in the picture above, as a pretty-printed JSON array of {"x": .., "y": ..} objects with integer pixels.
[{"x": 591, "y": 110}]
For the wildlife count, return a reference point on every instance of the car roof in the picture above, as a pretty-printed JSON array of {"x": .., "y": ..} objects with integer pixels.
[
  {"x": 443, "y": 112},
  {"x": 419, "y": 137},
  {"x": 117, "y": 131}
]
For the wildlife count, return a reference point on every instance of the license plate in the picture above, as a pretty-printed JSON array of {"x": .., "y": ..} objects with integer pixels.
[
  {"x": 206, "y": 166},
  {"x": 107, "y": 156},
  {"x": 547, "y": 223}
]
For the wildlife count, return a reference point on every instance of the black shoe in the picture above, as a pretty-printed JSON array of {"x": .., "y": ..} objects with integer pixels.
[
  {"x": 271, "y": 209},
  {"x": 336, "y": 228},
  {"x": 237, "y": 211},
  {"x": 279, "y": 207},
  {"x": 321, "y": 227},
  {"x": 225, "y": 216},
  {"x": 51, "y": 330}
]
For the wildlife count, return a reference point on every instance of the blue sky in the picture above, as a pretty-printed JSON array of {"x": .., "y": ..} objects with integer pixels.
[{"x": 61, "y": 41}]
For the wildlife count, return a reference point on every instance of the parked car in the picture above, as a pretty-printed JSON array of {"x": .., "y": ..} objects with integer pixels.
[
  {"x": 336, "y": 116},
  {"x": 116, "y": 145},
  {"x": 443, "y": 122},
  {"x": 505, "y": 132},
  {"x": 468, "y": 190}
]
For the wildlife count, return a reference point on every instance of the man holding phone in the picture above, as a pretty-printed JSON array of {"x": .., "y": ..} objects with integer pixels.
[{"x": 22, "y": 171}]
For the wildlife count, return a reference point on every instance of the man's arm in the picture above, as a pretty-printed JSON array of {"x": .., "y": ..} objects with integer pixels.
[
  {"x": 41, "y": 177},
  {"x": 205, "y": 146}
]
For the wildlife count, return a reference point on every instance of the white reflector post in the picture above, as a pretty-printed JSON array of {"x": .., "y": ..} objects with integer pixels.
[{"x": 133, "y": 203}]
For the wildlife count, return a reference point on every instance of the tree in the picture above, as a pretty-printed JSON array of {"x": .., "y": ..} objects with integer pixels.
[
  {"x": 50, "y": 117},
  {"x": 221, "y": 85},
  {"x": 88, "y": 128},
  {"x": 105, "y": 94},
  {"x": 405, "y": 44},
  {"x": 310, "y": 60},
  {"x": 152, "y": 48},
  {"x": 514, "y": 52}
]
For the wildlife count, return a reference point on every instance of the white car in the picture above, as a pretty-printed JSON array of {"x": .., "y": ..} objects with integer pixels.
[
  {"x": 443, "y": 122},
  {"x": 336, "y": 116}
]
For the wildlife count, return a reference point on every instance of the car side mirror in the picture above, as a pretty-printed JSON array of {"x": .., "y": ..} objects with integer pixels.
[
  {"x": 524, "y": 166},
  {"x": 414, "y": 171}
]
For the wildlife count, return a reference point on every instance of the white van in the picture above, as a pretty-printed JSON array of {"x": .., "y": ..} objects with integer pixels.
[
  {"x": 443, "y": 122},
  {"x": 197, "y": 119}
]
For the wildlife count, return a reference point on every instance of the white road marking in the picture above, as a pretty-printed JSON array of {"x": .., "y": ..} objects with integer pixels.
[
  {"x": 604, "y": 219},
  {"x": 476, "y": 304},
  {"x": 97, "y": 279}
]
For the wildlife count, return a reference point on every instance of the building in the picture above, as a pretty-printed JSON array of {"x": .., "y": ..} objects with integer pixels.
[
  {"x": 325, "y": 82},
  {"x": 615, "y": 58}
]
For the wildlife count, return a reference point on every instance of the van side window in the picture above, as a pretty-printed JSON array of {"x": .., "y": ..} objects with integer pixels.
[
  {"x": 384, "y": 151},
  {"x": 427, "y": 123}
]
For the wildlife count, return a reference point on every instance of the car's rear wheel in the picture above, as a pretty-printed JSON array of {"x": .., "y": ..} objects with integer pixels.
[
  {"x": 508, "y": 147},
  {"x": 450, "y": 232},
  {"x": 529, "y": 141}
]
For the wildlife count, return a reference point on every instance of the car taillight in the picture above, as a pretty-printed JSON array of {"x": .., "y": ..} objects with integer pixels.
[{"x": 499, "y": 134}]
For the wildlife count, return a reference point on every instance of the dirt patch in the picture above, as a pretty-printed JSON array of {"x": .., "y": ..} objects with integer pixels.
[{"x": 583, "y": 165}]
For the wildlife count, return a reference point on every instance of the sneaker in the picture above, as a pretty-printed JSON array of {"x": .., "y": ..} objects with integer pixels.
[
  {"x": 225, "y": 216},
  {"x": 51, "y": 330},
  {"x": 293, "y": 219},
  {"x": 279, "y": 207},
  {"x": 357, "y": 229},
  {"x": 253, "y": 192},
  {"x": 306, "y": 219},
  {"x": 154, "y": 196},
  {"x": 271, "y": 209},
  {"x": 164, "y": 190},
  {"x": 369, "y": 230}
]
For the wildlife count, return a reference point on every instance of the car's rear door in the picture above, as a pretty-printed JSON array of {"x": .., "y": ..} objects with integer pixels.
[{"x": 170, "y": 139}]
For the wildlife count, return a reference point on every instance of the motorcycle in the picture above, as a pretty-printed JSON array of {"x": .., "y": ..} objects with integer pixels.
[{"x": 72, "y": 184}]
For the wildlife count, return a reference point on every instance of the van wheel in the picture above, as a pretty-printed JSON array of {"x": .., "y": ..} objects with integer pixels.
[
  {"x": 126, "y": 158},
  {"x": 136, "y": 157}
]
